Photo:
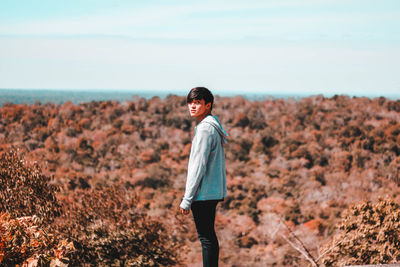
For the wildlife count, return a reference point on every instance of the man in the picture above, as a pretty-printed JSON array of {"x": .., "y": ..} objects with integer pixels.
[{"x": 206, "y": 177}]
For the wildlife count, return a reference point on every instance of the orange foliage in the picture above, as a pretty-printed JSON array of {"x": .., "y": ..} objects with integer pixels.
[{"x": 301, "y": 162}]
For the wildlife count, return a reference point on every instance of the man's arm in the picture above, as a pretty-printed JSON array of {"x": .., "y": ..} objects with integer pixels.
[{"x": 197, "y": 165}]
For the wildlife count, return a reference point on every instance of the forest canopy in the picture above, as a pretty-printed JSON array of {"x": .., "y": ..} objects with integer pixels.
[{"x": 293, "y": 168}]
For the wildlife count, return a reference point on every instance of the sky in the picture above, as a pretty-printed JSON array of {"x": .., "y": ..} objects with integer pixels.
[{"x": 246, "y": 46}]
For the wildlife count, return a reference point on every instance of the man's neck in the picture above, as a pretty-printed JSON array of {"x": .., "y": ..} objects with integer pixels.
[{"x": 203, "y": 117}]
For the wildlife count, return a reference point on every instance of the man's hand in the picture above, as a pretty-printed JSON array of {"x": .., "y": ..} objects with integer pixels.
[{"x": 183, "y": 211}]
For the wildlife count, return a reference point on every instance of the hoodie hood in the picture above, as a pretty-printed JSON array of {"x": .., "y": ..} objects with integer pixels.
[{"x": 213, "y": 120}]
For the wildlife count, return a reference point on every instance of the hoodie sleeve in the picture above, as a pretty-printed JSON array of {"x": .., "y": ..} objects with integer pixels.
[{"x": 201, "y": 147}]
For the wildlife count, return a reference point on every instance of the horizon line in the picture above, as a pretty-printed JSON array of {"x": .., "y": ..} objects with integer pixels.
[{"x": 216, "y": 92}]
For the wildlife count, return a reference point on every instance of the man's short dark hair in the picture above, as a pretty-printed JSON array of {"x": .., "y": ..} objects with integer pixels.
[{"x": 199, "y": 93}]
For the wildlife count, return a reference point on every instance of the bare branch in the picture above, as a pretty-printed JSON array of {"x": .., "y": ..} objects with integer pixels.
[
  {"x": 302, "y": 245},
  {"x": 305, "y": 254},
  {"x": 277, "y": 229}
]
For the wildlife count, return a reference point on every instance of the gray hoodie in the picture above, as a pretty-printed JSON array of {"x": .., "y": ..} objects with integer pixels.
[{"x": 206, "y": 178}]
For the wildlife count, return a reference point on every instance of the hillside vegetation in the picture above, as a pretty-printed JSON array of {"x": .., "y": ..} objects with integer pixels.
[{"x": 118, "y": 173}]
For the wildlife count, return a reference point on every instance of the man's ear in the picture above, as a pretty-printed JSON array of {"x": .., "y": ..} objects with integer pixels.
[{"x": 208, "y": 105}]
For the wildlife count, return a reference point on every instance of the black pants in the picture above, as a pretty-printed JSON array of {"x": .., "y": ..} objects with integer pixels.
[{"x": 204, "y": 218}]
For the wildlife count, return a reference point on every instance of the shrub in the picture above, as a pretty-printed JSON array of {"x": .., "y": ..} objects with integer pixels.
[
  {"x": 106, "y": 230},
  {"x": 28, "y": 205},
  {"x": 22, "y": 241},
  {"x": 24, "y": 190},
  {"x": 369, "y": 234}
]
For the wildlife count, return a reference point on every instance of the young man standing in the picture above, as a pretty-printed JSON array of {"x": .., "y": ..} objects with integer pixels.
[{"x": 206, "y": 177}]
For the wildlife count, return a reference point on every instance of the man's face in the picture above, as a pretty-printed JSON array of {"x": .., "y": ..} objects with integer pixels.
[{"x": 199, "y": 109}]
